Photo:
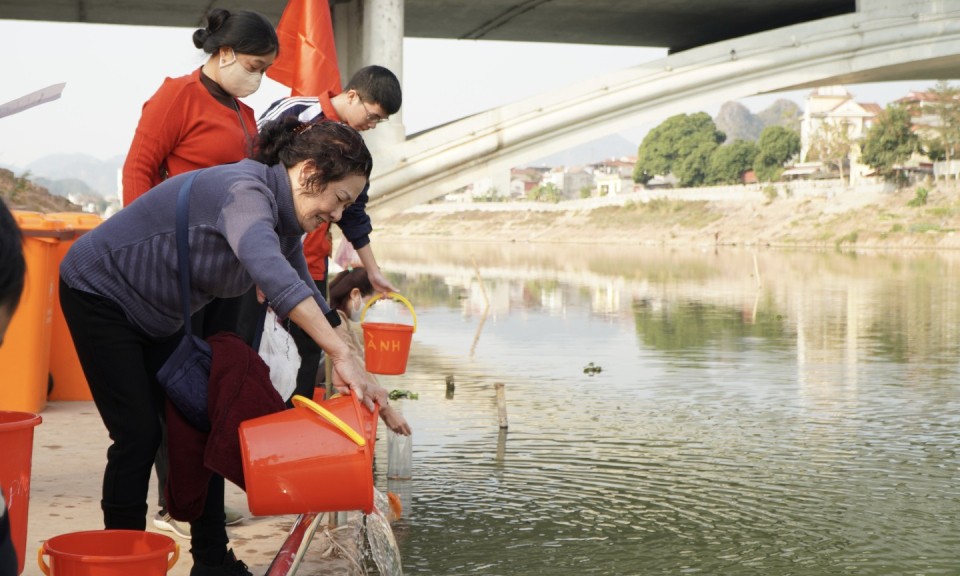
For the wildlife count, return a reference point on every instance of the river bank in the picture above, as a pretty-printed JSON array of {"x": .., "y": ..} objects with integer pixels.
[{"x": 893, "y": 220}]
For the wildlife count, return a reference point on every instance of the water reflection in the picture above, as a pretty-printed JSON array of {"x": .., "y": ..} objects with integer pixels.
[{"x": 756, "y": 413}]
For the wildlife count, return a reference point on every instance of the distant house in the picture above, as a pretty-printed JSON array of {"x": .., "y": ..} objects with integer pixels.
[
  {"x": 834, "y": 106},
  {"x": 658, "y": 181},
  {"x": 569, "y": 180},
  {"x": 803, "y": 171},
  {"x": 522, "y": 180},
  {"x": 921, "y": 106},
  {"x": 614, "y": 176},
  {"x": 925, "y": 121}
]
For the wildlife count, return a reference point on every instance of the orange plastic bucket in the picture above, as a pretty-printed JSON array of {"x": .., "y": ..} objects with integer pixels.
[
  {"x": 386, "y": 346},
  {"x": 108, "y": 553},
  {"x": 316, "y": 457},
  {"x": 16, "y": 458},
  {"x": 69, "y": 382}
]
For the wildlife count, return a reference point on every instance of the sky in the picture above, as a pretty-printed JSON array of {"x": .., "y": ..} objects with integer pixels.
[{"x": 110, "y": 71}]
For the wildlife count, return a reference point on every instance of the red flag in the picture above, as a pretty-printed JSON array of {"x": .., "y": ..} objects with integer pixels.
[{"x": 307, "y": 62}]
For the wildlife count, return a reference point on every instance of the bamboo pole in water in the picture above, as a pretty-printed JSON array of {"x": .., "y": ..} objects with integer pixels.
[
  {"x": 486, "y": 309},
  {"x": 501, "y": 404},
  {"x": 756, "y": 271},
  {"x": 501, "y": 446}
]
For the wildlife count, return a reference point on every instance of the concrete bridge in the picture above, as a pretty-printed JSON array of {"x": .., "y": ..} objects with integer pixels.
[
  {"x": 719, "y": 50},
  {"x": 884, "y": 40}
]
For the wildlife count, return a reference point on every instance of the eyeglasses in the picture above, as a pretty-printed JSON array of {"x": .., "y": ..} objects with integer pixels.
[{"x": 371, "y": 117}]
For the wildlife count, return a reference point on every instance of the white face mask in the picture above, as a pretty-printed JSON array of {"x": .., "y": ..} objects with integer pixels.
[
  {"x": 236, "y": 80},
  {"x": 355, "y": 311}
]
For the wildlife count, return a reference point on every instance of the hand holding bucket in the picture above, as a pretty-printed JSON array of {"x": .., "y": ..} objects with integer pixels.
[{"x": 387, "y": 345}]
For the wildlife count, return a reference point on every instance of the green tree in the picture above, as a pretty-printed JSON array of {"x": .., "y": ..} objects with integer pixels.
[
  {"x": 544, "y": 193},
  {"x": 831, "y": 144},
  {"x": 729, "y": 162},
  {"x": 889, "y": 142},
  {"x": 776, "y": 145},
  {"x": 945, "y": 140},
  {"x": 491, "y": 195},
  {"x": 681, "y": 145}
]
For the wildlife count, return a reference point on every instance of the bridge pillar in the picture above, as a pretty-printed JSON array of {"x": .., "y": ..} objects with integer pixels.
[
  {"x": 383, "y": 45},
  {"x": 371, "y": 32},
  {"x": 347, "y": 19}
]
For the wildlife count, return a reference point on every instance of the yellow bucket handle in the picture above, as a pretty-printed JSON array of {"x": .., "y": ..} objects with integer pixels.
[
  {"x": 176, "y": 555},
  {"x": 393, "y": 296},
  {"x": 43, "y": 565},
  {"x": 302, "y": 401}
]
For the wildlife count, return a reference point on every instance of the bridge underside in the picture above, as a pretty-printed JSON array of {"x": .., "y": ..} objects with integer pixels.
[{"x": 673, "y": 24}]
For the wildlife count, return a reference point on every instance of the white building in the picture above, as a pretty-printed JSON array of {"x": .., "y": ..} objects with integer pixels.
[
  {"x": 835, "y": 107},
  {"x": 569, "y": 181},
  {"x": 614, "y": 176}
]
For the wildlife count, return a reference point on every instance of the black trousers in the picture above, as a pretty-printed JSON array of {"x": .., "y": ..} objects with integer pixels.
[
  {"x": 120, "y": 363},
  {"x": 8, "y": 556},
  {"x": 311, "y": 373}
]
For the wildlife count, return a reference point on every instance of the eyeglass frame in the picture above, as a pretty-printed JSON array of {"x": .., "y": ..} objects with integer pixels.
[{"x": 371, "y": 117}]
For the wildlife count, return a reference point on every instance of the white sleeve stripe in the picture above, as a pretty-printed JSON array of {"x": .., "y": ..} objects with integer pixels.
[
  {"x": 310, "y": 113},
  {"x": 277, "y": 109}
]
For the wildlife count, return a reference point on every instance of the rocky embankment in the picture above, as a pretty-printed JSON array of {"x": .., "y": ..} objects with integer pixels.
[
  {"x": 19, "y": 193},
  {"x": 896, "y": 220}
]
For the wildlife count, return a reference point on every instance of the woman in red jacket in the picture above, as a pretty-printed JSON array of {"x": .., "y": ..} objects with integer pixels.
[{"x": 196, "y": 121}]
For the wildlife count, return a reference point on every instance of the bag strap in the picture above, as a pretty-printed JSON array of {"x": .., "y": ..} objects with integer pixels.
[{"x": 183, "y": 247}]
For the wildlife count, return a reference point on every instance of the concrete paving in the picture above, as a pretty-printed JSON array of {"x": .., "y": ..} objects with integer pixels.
[{"x": 69, "y": 454}]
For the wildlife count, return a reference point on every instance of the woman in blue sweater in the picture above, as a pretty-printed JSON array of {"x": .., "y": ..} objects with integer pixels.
[{"x": 119, "y": 294}]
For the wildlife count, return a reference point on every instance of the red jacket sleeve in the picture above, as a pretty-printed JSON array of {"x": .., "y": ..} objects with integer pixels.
[
  {"x": 316, "y": 249},
  {"x": 158, "y": 132}
]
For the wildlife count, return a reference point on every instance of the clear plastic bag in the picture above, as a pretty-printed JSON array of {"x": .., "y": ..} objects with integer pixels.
[
  {"x": 279, "y": 351},
  {"x": 347, "y": 256}
]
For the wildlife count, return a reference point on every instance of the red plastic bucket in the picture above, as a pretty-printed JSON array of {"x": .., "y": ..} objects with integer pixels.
[
  {"x": 109, "y": 553},
  {"x": 386, "y": 346},
  {"x": 316, "y": 457},
  {"x": 16, "y": 458}
]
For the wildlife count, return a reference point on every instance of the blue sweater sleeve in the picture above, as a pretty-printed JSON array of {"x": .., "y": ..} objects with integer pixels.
[{"x": 355, "y": 222}]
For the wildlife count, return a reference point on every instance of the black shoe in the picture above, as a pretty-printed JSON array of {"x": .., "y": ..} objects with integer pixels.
[{"x": 230, "y": 567}]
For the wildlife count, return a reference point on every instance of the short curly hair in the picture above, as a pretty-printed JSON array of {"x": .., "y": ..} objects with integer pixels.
[{"x": 336, "y": 149}]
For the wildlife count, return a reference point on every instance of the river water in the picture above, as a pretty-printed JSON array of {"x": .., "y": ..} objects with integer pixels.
[{"x": 754, "y": 412}]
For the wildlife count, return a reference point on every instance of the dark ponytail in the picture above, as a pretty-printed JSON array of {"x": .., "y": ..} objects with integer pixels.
[
  {"x": 344, "y": 282},
  {"x": 245, "y": 31}
]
